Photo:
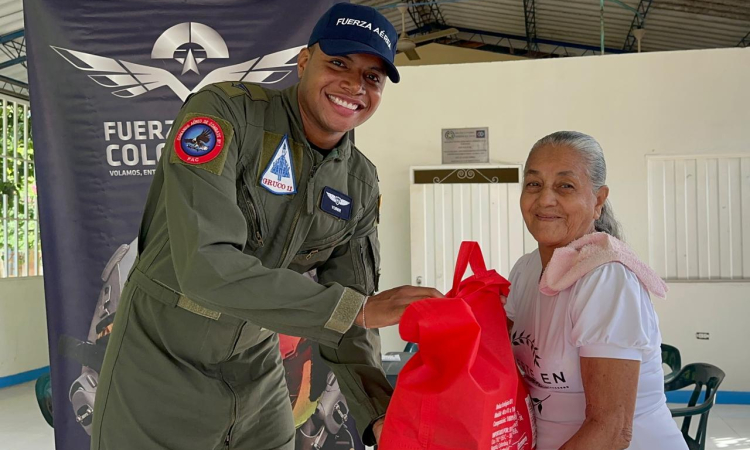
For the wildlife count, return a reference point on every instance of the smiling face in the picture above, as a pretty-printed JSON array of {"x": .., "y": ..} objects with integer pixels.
[
  {"x": 558, "y": 202},
  {"x": 337, "y": 93}
]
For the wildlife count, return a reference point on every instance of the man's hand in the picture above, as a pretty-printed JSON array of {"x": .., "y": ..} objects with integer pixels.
[
  {"x": 385, "y": 309},
  {"x": 377, "y": 428}
]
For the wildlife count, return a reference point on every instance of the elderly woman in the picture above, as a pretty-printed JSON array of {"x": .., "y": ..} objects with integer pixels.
[{"x": 584, "y": 330}]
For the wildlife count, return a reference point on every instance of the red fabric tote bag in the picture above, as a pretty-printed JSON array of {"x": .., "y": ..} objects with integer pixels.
[{"x": 462, "y": 390}]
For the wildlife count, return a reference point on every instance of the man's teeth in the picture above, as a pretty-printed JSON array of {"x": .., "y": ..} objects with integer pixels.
[{"x": 341, "y": 102}]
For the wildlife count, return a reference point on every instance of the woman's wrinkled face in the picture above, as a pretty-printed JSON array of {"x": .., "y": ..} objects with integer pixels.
[{"x": 557, "y": 201}]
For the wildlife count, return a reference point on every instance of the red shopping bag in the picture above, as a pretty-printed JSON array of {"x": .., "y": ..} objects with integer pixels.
[{"x": 462, "y": 390}]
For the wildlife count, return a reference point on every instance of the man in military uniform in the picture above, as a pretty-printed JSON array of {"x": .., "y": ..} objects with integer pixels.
[{"x": 256, "y": 187}]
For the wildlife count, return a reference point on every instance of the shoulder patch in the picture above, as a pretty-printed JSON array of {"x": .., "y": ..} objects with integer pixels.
[
  {"x": 202, "y": 141},
  {"x": 279, "y": 176},
  {"x": 273, "y": 147},
  {"x": 235, "y": 88}
]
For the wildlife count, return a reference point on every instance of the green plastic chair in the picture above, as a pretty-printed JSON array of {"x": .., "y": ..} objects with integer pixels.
[
  {"x": 43, "y": 390},
  {"x": 700, "y": 375},
  {"x": 671, "y": 357}
]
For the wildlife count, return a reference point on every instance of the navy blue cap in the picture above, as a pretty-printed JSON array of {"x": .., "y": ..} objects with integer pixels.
[{"x": 347, "y": 29}]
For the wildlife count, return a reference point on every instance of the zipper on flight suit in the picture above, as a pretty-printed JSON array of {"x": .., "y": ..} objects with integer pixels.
[
  {"x": 228, "y": 438},
  {"x": 309, "y": 197},
  {"x": 363, "y": 255},
  {"x": 235, "y": 413},
  {"x": 311, "y": 186},
  {"x": 251, "y": 210}
]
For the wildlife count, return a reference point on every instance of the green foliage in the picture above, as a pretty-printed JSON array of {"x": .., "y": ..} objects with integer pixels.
[{"x": 18, "y": 195}]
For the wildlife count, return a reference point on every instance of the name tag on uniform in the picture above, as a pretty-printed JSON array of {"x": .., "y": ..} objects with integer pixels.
[{"x": 336, "y": 204}]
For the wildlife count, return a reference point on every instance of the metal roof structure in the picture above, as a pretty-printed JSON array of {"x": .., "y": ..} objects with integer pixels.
[
  {"x": 13, "y": 74},
  {"x": 551, "y": 28},
  {"x": 531, "y": 28}
]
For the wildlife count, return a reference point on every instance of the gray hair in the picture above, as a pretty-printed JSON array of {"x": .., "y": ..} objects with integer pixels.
[{"x": 592, "y": 152}]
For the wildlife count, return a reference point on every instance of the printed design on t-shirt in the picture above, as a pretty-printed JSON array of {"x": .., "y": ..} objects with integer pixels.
[
  {"x": 538, "y": 403},
  {"x": 528, "y": 341},
  {"x": 550, "y": 380}
]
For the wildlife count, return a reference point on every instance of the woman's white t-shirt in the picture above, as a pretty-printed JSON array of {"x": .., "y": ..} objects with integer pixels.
[{"x": 606, "y": 314}]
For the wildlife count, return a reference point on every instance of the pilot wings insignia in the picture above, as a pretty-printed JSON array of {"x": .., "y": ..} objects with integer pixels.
[
  {"x": 129, "y": 80},
  {"x": 337, "y": 200}
]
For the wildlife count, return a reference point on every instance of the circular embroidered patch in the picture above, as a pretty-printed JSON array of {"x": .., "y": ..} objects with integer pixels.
[{"x": 199, "y": 140}]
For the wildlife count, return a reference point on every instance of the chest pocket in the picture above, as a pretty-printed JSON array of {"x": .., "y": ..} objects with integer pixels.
[
  {"x": 369, "y": 255},
  {"x": 326, "y": 229},
  {"x": 312, "y": 254}
]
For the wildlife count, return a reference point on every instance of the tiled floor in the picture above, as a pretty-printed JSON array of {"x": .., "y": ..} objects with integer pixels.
[
  {"x": 22, "y": 426},
  {"x": 728, "y": 427}
]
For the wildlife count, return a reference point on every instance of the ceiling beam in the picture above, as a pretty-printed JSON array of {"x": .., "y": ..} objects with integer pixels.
[
  {"x": 529, "y": 17},
  {"x": 639, "y": 21},
  {"x": 539, "y": 40},
  {"x": 12, "y": 62},
  {"x": 11, "y": 36},
  {"x": 727, "y": 9},
  {"x": 14, "y": 94},
  {"x": 21, "y": 84}
]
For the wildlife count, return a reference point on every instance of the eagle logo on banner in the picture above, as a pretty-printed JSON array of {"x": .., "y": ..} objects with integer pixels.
[{"x": 129, "y": 80}]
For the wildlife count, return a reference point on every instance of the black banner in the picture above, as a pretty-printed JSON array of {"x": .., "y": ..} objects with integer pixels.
[{"x": 106, "y": 79}]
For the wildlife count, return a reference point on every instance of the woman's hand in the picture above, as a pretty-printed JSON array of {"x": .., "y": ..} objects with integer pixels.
[
  {"x": 611, "y": 386},
  {"x": 377, "y": 428}
]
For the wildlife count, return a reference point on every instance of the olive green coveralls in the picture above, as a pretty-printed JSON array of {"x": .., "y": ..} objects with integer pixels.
[{"x": 193, "y": 360}]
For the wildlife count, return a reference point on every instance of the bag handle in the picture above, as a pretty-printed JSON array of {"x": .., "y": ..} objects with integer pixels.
[
  {"x": 447, "y": 332},
  {"x": 470, "y": 254}
]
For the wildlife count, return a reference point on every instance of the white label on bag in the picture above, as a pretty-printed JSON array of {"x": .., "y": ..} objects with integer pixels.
[
  {"x": 505, "y": 435},
  {"x": 532, "y": 416}
]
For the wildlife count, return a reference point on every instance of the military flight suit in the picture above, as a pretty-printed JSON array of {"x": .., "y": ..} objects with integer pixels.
[{"x": 193, "y": 361}]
